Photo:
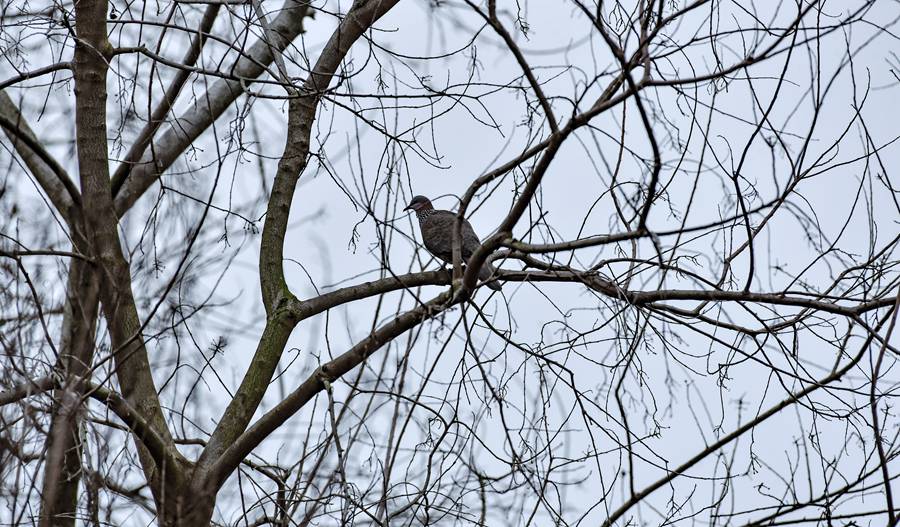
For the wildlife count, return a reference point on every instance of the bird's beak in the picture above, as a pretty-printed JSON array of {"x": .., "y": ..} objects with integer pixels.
[{"x": 408, "y": 207}]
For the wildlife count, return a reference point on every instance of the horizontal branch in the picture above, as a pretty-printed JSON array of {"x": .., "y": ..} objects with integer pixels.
[
  {"x": 25, "y": 75},
  {"x": 308, "y": 308},
  {"x": 27, "y": 389},
  {"x": 45, "y": 252},
  {"x": 645, "y": 298}
]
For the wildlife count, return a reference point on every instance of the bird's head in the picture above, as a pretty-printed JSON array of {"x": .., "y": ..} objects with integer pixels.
[{"x": 419, "y": 203}]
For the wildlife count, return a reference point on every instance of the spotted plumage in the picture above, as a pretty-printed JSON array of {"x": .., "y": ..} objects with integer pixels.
[{"x": 437, "y": 235}]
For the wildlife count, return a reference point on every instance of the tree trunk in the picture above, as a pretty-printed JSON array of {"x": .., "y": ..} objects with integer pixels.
[
  {"x": 166, "y": 471},
  {"x": 62, "y": 467}
]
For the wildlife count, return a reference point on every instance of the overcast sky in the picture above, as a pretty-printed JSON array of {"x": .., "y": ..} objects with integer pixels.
[{"x": 333, "y": 240}]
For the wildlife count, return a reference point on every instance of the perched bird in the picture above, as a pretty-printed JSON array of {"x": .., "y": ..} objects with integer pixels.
[{"x": 437, "y": 233}]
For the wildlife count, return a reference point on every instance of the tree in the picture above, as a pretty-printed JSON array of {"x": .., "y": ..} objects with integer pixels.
[{"x": 691, "y": 205}]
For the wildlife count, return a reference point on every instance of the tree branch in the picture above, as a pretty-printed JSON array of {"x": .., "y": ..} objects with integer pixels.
[
  {"x": 208, "y": 107},
  {"x": 132, "y": 365},
  {"x": 275, "y": 294},
  {"x": 63, "y": 467},
  {"x": 50, "y": 175},
  {"x": 315, "y": 383},
  {"x": 165, "y": 105}
]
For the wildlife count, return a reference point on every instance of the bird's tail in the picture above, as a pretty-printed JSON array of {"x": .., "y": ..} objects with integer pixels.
[{"x": 487, "y": 271}]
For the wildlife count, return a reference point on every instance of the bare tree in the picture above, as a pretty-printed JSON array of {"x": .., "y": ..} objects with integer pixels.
[{"x": 691, "y": 205}]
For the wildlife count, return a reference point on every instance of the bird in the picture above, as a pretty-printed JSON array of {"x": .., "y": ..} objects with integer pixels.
[{"x": 437, "y": 234}]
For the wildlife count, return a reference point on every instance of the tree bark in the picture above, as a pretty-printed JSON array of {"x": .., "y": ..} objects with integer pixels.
[
  {"x": 92, "y": 53},
  {"x": 62, "y": 466}
]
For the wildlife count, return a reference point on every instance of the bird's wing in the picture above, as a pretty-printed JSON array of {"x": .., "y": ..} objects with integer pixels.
[
  {"x": 445, "y": 222},
  {"x": 470, "y": 241},
  {"x": 437, "y": 233}
]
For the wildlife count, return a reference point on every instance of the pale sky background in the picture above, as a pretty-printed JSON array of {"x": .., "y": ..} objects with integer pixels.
[{"x": 319, "y": 252}]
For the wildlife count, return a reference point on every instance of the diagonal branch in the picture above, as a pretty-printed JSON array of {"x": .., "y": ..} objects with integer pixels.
[
  {"x": 275, "y": 294},
  {"x": 165, "y": 105},
  {"x": 51, "y": 176},
  {"x": 318, "y": 380},
  {"x": 208, "y": 107},
  {"x": 162, "y": 451},
  {"x": 494, "y": 22}
]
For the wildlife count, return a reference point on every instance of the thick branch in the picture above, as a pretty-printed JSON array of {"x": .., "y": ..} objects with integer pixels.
[
  {"x": 275, "y": 294},
  {"x": 315, "y": 383},
  {"x": 62, "y": 467},
  {"x": 101, "y": 226},
  {"x": 50, "y": 175},
  {"x": 158, "y": 445},
  {"x": 208, "y": 107},
  {"x": 165, "y": 105},
  {"x": 321, "y": 303},
  {"x": 28, "y": 388}
]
